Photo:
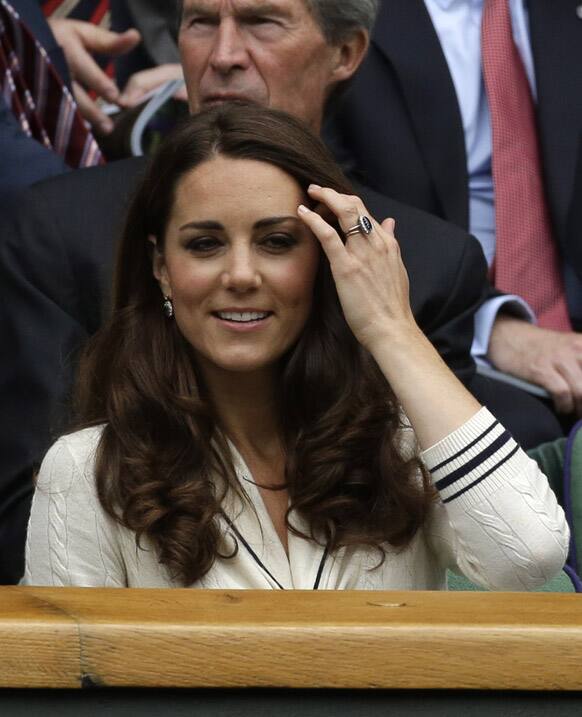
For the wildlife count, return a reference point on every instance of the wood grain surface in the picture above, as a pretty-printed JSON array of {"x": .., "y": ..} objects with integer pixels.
[{"x": 74, "y": 637}]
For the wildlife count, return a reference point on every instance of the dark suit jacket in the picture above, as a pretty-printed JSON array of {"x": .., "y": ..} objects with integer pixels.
[
  {"x": 401, "y": 125},
  {"x": 56, "y": 249},
  {"x": 24, "y": 160}
]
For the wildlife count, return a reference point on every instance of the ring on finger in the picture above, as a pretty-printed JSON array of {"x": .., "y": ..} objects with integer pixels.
[{"x": 362, "y": 226}]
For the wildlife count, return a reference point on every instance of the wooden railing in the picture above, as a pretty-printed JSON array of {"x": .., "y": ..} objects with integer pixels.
[{"x": 69, "y": 637}]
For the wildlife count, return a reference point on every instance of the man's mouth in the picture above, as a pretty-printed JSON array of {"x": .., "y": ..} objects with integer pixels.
[{"x": 218, "y": 98}]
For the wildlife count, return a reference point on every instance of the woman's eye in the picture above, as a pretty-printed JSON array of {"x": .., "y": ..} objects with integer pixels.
[
  {"x": 203, "y": 245},
  {"x": 279, "y": 242}
]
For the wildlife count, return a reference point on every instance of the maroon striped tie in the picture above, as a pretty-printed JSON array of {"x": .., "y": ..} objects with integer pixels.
[
  {"x": 39, "y": 99},
  {"x": 527, "y": 262},
  {"x": 95, "y": 11}
]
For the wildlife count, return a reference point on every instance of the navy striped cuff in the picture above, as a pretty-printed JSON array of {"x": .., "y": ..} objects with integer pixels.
[{"x": 473, "y": 460}]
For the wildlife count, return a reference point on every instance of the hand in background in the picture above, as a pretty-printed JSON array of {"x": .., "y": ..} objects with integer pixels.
[
  {"x": 143, "y": 83},
  {"x": 551, "y": 359},
  {"x": 79, "y": 40}
]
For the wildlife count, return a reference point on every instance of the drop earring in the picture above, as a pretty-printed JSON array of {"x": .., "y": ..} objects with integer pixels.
[{"x": 168, "y": 307}]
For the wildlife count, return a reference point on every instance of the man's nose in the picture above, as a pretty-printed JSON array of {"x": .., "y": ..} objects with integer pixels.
[
  {"x": 241, "y": 272},
  {"x": 229, "y": 51}
]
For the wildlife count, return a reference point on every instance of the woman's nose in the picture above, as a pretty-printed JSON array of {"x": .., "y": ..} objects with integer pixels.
[{"x": 241, "y": 272}]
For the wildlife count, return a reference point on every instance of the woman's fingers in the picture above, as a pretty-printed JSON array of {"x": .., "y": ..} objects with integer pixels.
[
  {"x": 345, "y": 207},
  {"x": 328, "y": 237},
  {"x": 349, "y": 211}
]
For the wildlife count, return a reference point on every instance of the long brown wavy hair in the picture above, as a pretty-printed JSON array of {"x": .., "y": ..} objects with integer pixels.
[{"x": 163, "y": 464}]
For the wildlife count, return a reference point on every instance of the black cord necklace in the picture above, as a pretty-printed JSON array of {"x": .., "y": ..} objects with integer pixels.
[{"x": 260, "y": 563}]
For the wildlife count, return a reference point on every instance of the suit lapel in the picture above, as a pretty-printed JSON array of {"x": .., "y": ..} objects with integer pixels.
[
  {"x": 431, "y": 99},
  {"x": 556, "y": 38}
]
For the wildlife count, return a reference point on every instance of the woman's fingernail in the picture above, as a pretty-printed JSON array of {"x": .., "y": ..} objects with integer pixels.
[
  {"x": 314, "y": 186},
  {"x": 302, "y": 209}
]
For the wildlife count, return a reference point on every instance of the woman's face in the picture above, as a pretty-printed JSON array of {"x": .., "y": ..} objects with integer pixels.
[{"x": 238, "y": 263}]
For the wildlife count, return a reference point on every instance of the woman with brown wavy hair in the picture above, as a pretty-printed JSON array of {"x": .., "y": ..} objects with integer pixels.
[{"x": 252, "y": 414}]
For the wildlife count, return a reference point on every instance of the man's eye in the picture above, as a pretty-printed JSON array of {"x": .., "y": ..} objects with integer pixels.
[
  {"x": 258, "y": 20},
  {"x": 279, "y": 242},
  {"x": 203, "y": 245},
  {"x": 201, "y": 22}
]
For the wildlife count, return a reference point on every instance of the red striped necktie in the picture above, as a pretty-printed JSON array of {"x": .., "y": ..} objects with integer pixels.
[
  {"x": 526, "y": 262},
  {"x": 42, "y": 103},
  {"x": 95, "y": 11}
]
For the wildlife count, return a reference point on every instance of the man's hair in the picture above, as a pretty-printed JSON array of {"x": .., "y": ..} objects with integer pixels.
[{"x": 337, "y": 19}]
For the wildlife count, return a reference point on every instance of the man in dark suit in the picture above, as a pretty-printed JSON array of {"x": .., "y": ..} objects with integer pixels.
[
  {"x": 57, "y": 244},
  {"x": 404, "y": 126}
]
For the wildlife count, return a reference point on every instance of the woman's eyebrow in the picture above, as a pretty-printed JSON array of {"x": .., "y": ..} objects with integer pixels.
[
  {"x": 212, "y": 224},
  {"x": 207, "y": 224},
  {"x": 270, "y": 221}
]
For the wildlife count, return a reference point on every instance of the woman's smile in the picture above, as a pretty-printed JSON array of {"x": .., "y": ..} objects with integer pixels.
[{"x": 243, "y": 319}]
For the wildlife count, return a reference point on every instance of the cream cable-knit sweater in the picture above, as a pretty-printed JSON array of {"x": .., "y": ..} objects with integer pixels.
[{"x": 497, "y": 523}]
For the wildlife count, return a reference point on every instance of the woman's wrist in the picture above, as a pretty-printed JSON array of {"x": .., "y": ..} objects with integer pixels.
[
  {"x": 396, "y": 342},
  {"x": 432, "y": 397}
]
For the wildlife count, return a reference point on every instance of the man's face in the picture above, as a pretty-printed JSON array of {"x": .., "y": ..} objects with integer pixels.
[{"x": 266, "y": 51}]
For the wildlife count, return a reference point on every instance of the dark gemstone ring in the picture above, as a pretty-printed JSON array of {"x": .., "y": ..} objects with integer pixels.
[{"x": 363, "y": 226}]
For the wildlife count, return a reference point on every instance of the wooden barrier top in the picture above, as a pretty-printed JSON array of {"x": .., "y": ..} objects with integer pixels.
[{"x": 83, "y": 637}]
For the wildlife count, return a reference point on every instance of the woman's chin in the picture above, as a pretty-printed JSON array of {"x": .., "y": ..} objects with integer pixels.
[{"x": 240, "y": 363}]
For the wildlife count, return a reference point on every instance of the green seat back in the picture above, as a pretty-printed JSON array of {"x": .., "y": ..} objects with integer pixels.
[
  {"x": 550, "y": 457},
  {"x": 560, "y": 584}
]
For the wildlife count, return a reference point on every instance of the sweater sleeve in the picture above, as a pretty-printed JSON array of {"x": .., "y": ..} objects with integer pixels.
[
  {"x": 71, "y": 540},
  {"x": 497, "y": 522}
]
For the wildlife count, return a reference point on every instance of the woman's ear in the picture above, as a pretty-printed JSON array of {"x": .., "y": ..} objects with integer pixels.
[{"x": 159, "y": 267}]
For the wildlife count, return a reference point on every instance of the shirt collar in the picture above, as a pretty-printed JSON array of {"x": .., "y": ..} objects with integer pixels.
[{"x": 444, "y": 4}]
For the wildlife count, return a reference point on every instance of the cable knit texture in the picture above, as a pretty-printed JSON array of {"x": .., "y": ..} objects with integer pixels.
[{"x": 497, "y": 522}]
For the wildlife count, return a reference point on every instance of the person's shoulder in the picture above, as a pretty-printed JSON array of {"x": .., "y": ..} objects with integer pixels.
[
  {"x": 107, "y": 178},
  {"x": 108, "y": 182},
  {"x": 78, "y": 442},
  {"x": 71, "y": 457},
  {"x": 82, "y": 208}
]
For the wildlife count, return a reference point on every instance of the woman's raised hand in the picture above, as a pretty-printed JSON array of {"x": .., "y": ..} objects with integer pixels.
[
  {"x": 370, "y": 277},
  {"x": 372, "y": 286}
]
